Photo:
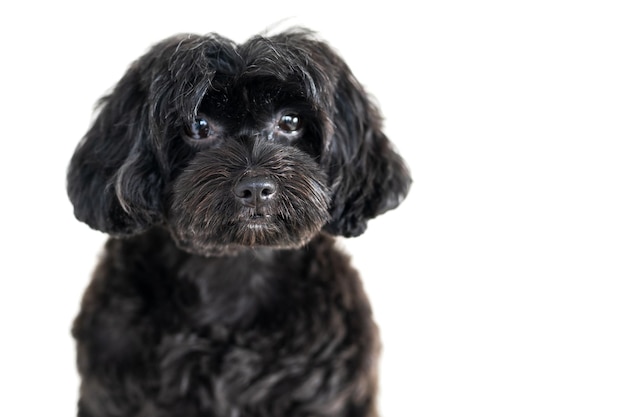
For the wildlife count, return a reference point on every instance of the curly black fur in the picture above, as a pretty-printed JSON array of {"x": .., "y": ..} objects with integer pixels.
[{"x": 222, "y": 172}]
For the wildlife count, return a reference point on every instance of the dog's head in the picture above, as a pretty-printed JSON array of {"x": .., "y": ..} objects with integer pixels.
[{"x": 264, "y": 143}]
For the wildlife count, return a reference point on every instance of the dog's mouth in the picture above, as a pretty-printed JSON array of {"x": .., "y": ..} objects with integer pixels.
[
  {"x": 254, "y": 216},
  {"x": 257, "y": 229},
  {"x": 257, "y": 221}
]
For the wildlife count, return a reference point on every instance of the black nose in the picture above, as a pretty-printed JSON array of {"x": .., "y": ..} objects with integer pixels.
[{"x": 255, "y": 191}]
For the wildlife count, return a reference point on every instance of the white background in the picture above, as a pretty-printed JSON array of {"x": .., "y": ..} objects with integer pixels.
[{"x": 499, "y": 285}]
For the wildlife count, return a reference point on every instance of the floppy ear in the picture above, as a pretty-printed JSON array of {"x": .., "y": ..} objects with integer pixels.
[
  {"x": 367, "y": 175},
  {"x": 112, "y": 179},
  {"x": 116, "y": 177}
]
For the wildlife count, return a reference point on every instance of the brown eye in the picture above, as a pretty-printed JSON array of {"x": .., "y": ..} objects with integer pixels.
[
  {"x": 200, "y": 128},
  {"x": 289, "y": 122}
]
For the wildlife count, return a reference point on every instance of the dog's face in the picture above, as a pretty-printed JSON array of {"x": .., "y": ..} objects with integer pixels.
[
  {"x": 253, "y": 176},
  {"x": 261, "y": 144}
]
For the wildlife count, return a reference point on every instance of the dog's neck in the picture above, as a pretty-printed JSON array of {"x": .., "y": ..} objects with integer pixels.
[{"x": 235, "y": 289}]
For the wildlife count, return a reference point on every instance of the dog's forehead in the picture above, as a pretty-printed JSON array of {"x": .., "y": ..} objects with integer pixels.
[{"x": 254, "y": 93}]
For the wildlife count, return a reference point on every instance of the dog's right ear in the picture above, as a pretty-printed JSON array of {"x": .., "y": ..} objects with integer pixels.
[
  {"x": 112, "y": 178},
  {"x": 116, "y": 177}
]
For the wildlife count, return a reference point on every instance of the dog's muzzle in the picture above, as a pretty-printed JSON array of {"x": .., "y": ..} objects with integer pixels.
[{"x": 264, "y": 194}]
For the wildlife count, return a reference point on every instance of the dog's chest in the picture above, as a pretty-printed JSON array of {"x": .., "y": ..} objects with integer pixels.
[
  {"x": 255, "y": 326},
  {"x": 242, "y": 291},
  {"x": 268, "y": 329}
]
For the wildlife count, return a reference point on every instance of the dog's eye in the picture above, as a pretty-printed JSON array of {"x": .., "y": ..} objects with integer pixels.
[
  {"x": 289, "y": 122},
  {"x": 200, "y": 128}
]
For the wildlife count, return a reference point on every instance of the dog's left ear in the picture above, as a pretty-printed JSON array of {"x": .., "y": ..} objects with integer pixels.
[{"x": 367, "y": 175}]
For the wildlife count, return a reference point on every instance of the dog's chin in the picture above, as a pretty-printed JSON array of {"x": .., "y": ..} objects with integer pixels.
[
  {"x": 244, "y": 234},
  {"x": 258, "y": 231}
]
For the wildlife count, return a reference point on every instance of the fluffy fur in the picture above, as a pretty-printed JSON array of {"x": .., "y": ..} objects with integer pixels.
[{"x": 222, "y": 171}]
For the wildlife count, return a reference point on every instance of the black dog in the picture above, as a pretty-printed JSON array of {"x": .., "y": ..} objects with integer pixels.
[{"x": 222, "y": 171}]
